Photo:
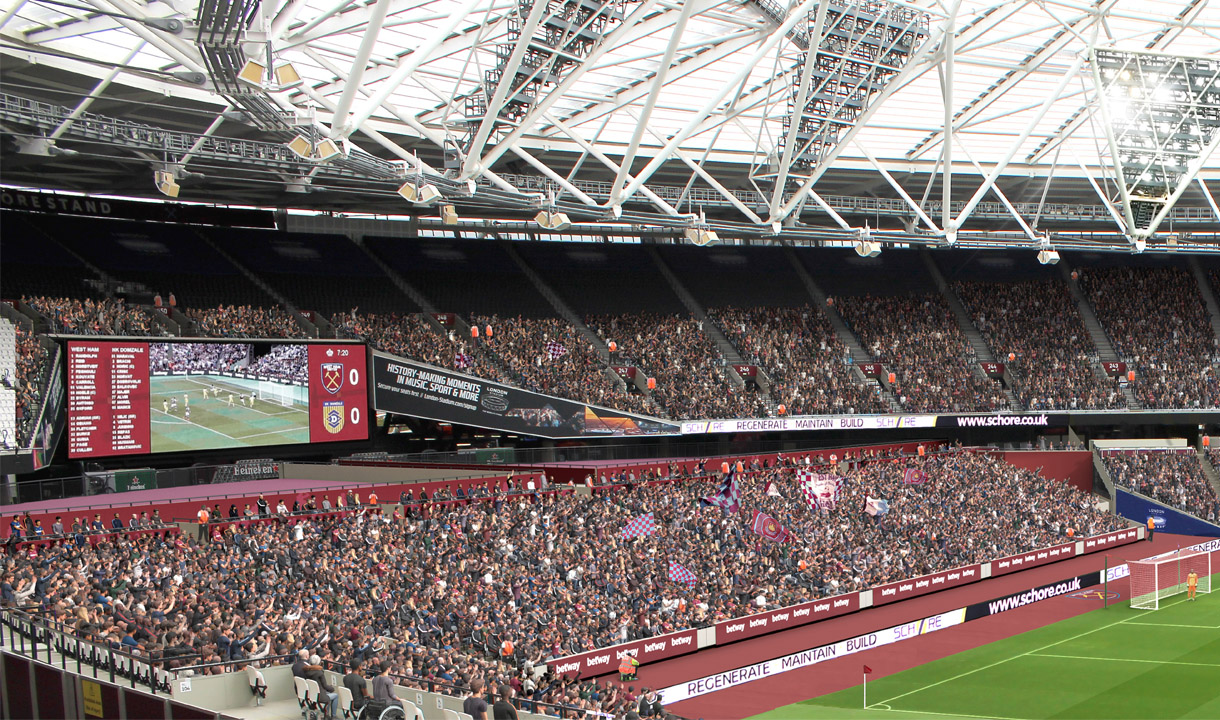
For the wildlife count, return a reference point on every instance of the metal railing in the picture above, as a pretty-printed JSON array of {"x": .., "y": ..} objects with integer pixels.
[{"x": 27, "y": 632}]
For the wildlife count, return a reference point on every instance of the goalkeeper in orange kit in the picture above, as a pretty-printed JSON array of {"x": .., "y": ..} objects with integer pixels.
[{"x": 1192, "y": 584}]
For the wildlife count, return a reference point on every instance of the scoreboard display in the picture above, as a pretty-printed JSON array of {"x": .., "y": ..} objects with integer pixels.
[{"x": 139, "y": 397}]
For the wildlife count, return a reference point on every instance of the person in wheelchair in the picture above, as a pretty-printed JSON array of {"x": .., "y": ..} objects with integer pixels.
[{"x": 383, "y": 686}]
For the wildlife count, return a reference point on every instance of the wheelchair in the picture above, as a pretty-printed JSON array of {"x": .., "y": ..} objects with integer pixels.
[{"x": 381, "y": 710}]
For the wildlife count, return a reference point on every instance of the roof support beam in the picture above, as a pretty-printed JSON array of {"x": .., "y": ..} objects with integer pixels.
[
  {"x": 1000, "y": 194},
  {"x": 95, "y": 93},
  {"x": 554, "y": 177},
  {"x": 897, "y": 188},
  {"x": 698, "y": 169},
  {"x": 409, "y": 65},
  {"x": 592, "y": 150},
  {"x": 658, "y": 82},
  {"x": 916, "y": 66},
  {"x": 178, "y": 50},
  {"x": 1208, "y": 196},
  {"x": 1016, "y": 144},
  {"x": 946, "y": 91},
  {"x": 1192, "y": 173},
  {"x": 802, "y": 99},
  {"x": 542, "y": 106},
  {"x": 797, "y": 15},
  {"x": 507, "y": 79},
  {"x": 341, "y": 126},
  {"x": 12, "y": 10}
]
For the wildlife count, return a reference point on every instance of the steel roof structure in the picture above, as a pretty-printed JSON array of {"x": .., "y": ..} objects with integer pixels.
[{"x": 929, "y": 120}]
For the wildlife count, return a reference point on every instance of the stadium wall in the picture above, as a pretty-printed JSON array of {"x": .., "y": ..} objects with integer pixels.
[
  {"x": 1074, "y": 467},
  {"x": 1139, "y": 508}
]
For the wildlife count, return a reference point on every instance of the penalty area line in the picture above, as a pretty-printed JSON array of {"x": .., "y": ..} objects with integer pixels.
[{"x": 1131, "y": 660}]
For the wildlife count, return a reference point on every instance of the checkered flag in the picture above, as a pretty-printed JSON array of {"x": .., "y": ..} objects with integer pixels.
[
  {"x": 462, "y": 361},
  {"x": 820, "y": 490},
  {"x": 679, "y": 574},
  {"x": 555, "y": 349},
  {"x": 640, "y": 526}
]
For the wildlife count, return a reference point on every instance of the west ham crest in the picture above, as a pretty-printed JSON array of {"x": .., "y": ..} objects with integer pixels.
[
  {"x": 332, "y": 416},
  {"x": 332, "y": 377}
]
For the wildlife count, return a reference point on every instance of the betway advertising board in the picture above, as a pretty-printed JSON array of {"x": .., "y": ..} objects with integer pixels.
[
  {"x": 914, "y": 587},
  {"x": 1109, "y": 540},
  {"x": 408, "y": 388},
  {"x": 1033, "y": 558},
  {"x": 606, "y": 660},
  {"x": 789, "y": 617}
]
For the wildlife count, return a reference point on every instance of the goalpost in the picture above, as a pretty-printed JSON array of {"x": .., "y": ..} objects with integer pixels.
[
  {"x": 1152, "y": 580},
  {"x": 276, "y": 393}
]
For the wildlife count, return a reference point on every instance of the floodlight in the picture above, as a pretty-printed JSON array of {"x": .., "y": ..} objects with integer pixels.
[
  {"x": 867, "y": 248},
  {"x": 449, "y": 215},
  {"x": 1048, "y": 257},
  {"x": 252, "y": 73},
  {"x": 326, "y": 150},
  {"x": 301, "y": 147},
  {"x": 420, "y": 194},
  {"x": 286, "y": 76},
  {"x": 164, "y": 180},
  {"x": 553, "y": 220}
]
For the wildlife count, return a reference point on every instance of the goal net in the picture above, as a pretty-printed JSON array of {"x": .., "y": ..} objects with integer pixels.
[
  {"x": 273, "y": 392},
  {"x": 1154, "y": 580}
]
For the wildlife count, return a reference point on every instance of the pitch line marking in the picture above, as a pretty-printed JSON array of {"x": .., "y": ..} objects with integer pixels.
[
  {"x": 938, "y": 713},
  {"x": 1197, "y": 627},
  {"x": 1134, "y": 660},
  {"x": 239, "y": 438},
  {"x": 1014, "y": 657},
  {"x": 287, "y": 411}
]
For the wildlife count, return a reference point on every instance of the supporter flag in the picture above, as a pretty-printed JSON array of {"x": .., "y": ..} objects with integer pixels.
[
  {"x": 769, "y": 527},
  {"x": 555, "y": 349},
  {"x": 679, "y": 574},
  {"x": 772, "y": 489},
  {"x": 914, "y": 476},
  {"x": 462, "y": 361},
  {"x": 820, "y": 490},
  {"x": 876, "y": 506},
  {"x": 640, "y": 526},
  {"x": 727, "y": 497}
]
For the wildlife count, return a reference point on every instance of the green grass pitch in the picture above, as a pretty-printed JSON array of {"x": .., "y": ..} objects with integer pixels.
[
  {"x": 1109, "y": 664},
  {"x": 214, "y": 424}
]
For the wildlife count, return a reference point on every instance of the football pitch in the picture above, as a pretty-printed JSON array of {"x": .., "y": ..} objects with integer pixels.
[
  {"x": 214, "y": 423},
  {"x": 1114, "y": 663}
]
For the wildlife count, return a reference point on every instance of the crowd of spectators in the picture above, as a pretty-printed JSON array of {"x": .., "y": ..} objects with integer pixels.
[
  {"x": 198, "y": 357},
  {"x": 441, "y": 592},
  {"x": 916, "y": 338},
  {"x": 809, "y": 367},
  {"x": 1157, "y": 321},
  {"x": 73, "y": 316},
  {"x": 1174, "y": 477},
  {"x": 549, "y": 356},
  {"x": 411, "y": 336},
  {"x": 284, "y": 362},
  {"x": 1033, "y": 328},
  {"x": 245, "y": 321},
  {"x": 692, "y": 379},
  {"x": 33, "y": 364}
]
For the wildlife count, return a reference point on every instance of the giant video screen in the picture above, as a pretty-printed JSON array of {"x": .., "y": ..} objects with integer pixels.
[{"x": 139, "y": 397}]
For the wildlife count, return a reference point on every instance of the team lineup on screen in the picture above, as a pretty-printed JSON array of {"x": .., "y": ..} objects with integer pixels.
[{"x": 128, "y": 398}]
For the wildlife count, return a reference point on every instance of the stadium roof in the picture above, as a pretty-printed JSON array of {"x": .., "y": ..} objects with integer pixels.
[{"x": 399, "y": 77}]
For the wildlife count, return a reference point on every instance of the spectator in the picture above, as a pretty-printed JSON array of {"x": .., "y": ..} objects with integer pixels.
[{"x": 916, "y": 338}]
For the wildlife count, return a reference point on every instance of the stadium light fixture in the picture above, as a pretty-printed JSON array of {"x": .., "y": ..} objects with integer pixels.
[
  {"x": 1048, "y": 257},
  {"x": 419, "y": 193},
  {"x": 286, "y": 76},
  {"x": 449, "y": 215},
  {"x": 253, "y": 72},
  {"x": 865, "y": 246},
  {"x": 301, "y": 147},
  {"x": 165, "y": 182},
  {"x": 326, "y": 150},
  {"x": 552, "y": 220}
]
